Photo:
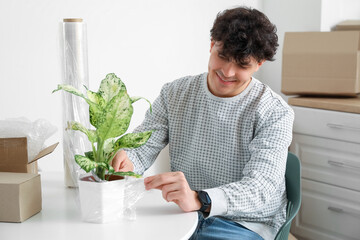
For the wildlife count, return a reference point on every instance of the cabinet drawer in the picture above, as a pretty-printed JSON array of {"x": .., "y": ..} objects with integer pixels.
[
  {"x": 328, "y": 212},
  {"x": 328, "y": 124},
  {"x": 329, "y": 161}
]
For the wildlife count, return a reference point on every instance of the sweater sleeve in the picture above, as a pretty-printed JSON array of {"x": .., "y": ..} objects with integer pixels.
[
  {"x": 264, "y": 172},
  {"x": 157, "y": 120}
]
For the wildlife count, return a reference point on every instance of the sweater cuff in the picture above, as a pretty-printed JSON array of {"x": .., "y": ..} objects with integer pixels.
[
  {"x": 218, "y": 202},
  {"x": 134, "y": 159}
]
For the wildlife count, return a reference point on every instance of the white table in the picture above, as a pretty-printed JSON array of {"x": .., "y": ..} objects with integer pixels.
[{"x": 60, "y": 218}]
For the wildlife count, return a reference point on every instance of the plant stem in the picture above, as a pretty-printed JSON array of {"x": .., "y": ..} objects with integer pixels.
[
  {"x": 93, "y": 148},
  {"x": 100, "y": 171}
]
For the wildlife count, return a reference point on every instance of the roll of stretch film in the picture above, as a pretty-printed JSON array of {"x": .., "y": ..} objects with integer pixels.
[{"x": 75, "y": 73}]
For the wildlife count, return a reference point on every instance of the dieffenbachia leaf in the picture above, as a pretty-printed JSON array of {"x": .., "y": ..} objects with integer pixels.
[
  {"x": 91, "y": 134},
  {"x": 97, "y": 108},
  {"x": 70, "y": 89},
  {"x": 90, "y": 155},
  {"x": 94, "y": 108},
  {"x": 110, "y": 87},
  {"x": 109, "y": 145},
  {"x": 87, "y": 164},
  {"x": 134, "y": 99},
  {"x": 132, "y": 140},
  {"x": 115, "y": 119},
  {"x": 96, "y": 98},
  {"x": 131, "y": 174}
]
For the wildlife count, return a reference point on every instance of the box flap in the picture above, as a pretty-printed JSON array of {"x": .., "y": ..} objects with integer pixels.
[
  {"x": 13, "y": 151},
  {"x": 348, "y": 25},
  {"x": 45, "y": 152}
]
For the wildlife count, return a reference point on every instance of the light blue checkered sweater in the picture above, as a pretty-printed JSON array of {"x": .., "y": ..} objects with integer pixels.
[{"x": 235, "y": 148}]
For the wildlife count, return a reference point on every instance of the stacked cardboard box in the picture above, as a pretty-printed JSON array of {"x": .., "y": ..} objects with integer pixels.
[
  {"x": 20, "y": 184},
  {"x": 323, "y": 68}
]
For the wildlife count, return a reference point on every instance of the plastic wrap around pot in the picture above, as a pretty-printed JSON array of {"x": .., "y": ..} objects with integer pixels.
[
  {"x": 75, "y": 73},
  {"x": 109, "y": 201}
]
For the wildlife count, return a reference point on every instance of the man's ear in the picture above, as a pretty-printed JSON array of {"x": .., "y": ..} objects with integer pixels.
[
  {"x": 212, "y": 43},
  {"x": 261, "y": 63}
]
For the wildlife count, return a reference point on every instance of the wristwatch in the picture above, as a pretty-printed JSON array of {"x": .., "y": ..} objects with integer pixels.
[{"x": 204, "y": 200}]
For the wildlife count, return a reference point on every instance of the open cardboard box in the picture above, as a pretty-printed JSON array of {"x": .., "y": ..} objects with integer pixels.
[
  {"x": 14, "y": 158},
  {"x": 20, "y": 184},
  {"x": 20, "y": 196},
  {"x": 321, "y": 63}
]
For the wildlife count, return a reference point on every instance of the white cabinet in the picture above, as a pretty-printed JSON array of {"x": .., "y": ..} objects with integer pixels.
[{"x": 328, "y": 145}]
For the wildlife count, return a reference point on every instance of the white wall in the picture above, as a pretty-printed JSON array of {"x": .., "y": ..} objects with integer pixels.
[{"x": 146, "y": 43}]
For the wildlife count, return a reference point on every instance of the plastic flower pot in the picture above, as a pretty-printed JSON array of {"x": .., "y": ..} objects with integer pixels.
[{"x": 102, "y": 202}]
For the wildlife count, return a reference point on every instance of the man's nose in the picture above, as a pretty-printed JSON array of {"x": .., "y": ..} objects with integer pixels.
[{"x": 229, "y": 70}]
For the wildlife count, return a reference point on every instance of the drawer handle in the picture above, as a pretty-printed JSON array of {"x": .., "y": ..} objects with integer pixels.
[
  {"x": 351, "y": 212},
  {"x": 340, "y": 126},
  {"x": 335, "y": 209},
  {"x": 342, "y": 164}
]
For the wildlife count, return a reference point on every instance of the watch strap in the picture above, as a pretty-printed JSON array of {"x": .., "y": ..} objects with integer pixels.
[{"x": 204, "y": 200}]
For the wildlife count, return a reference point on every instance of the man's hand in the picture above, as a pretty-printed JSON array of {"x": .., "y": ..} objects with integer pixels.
[
  {"x": 175, "y": 188},
  {"x": 121, "y": 162}
]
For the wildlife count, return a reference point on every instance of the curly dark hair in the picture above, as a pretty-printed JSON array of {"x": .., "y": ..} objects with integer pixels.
[{"x": 245, "y": 33}]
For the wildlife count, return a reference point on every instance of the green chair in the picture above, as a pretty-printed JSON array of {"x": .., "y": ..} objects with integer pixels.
[{"x": 293, "y": 189}]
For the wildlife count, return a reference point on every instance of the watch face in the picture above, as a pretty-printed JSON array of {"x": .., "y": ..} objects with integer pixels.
[
  {"x": 203, "y": 197},
  {"x": 204, "y": 200}
]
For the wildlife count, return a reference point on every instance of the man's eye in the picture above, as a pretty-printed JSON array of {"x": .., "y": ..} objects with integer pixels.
[
  {"x": 243, "y": 66},
  {"x": 222, "y": 56}
]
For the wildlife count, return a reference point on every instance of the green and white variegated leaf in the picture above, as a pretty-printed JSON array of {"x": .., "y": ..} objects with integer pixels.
[
  {"x": 96, "y": 98},
  {"x": 110, "y": 87},
  {"x": 87, "y": 164},
  {"x": 131, "y": 174},
  {"x": 115, "y": 120},
  {"x": 70, "y": 89},
  {"x": 132, "y": 140},
  {"x": 95, "y": 109},
  {"x": 134, "y": 99},
  {"x": 95, "y": 114},
  {"x": 109, "y": 145},
  {"x": 90, "y": 155},
  {"x": 91, "y": 134}
]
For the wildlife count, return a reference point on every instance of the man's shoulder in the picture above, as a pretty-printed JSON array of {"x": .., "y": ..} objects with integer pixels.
[{"x": 268, "y": 100}]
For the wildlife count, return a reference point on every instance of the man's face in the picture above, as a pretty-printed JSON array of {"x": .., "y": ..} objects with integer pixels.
[{"x": 226, "y": 78}]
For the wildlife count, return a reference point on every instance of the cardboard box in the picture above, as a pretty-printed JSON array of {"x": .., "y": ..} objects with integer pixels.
[
  {"x": 14, "y": 158},
  {"x": 341, "y": 104},
  {"x": 348, "y": 25},
  {"x": 321, "y": 63},
  {"x": 291, "y": 237},
  {"x": 20, "y": 196}
]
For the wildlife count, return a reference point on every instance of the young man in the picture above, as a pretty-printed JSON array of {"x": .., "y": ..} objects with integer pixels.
[{"x": 228, "y": 136}]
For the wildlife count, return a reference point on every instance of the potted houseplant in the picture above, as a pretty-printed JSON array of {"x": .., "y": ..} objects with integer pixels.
[{"x": 110, "y": 111}]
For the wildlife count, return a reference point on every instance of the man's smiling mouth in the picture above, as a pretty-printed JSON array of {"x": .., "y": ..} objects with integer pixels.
[{"x": 224, "y": 80}]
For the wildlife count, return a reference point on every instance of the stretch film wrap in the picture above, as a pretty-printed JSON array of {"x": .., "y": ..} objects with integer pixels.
[{"x": 75, "y": 73}]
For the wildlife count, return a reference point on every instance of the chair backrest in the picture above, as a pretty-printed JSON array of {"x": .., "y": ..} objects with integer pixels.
[{"x": 293, "y": 189}]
